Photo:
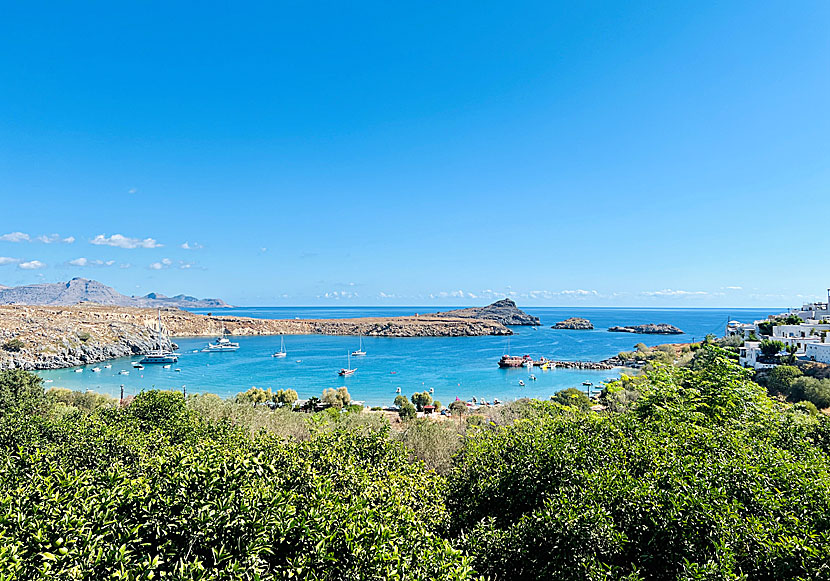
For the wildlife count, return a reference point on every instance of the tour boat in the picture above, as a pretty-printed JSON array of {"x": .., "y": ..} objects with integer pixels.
[
  {"x": 221, "y": 344},
  {"x": 348, "y": 369},
  {"x": 360, "y": 352},
  {"x": 281, "y": 352}
]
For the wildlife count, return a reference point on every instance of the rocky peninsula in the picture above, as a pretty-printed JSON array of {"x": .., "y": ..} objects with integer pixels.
[
  {"x": 51, "y": 337},
  {"x": 574, "y": 323},
  {"x": 504, "y": 312},
  {"x": 648, "y": 329}
]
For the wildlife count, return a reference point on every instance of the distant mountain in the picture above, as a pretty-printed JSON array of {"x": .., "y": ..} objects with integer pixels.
[{"x": 82, "y": 290}]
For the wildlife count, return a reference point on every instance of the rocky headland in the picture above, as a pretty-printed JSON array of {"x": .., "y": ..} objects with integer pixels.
[
  {"x": 52, "y": 337},
  {"x": 574, "y": 323},
  {"x": 648, "y": 329},
  {"x": 504, "y": 312}
]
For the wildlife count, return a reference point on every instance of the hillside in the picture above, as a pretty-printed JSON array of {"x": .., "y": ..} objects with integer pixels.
[
  {"x": 83, "y": 290},
  {"x": 504, "y": 311}
]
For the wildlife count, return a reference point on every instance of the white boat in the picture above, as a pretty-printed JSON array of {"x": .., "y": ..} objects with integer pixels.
[
  {"x": 360, "y": 352},
  {"x": 398, "y": 390},
  {"x": 281, "y": 352},
  {"x": 49, "y": 381},
  {"x": 79, "y": 371},
  {"x": 165, "y": 366},
  {"x": 123, "y": 372},
  {"x": 108, "y": 366},
  {"x": 139, "y": 367},
  {"x": 159, "y": 355},
  {"x": 348, "y": 369},
  {"x": 96, "y": 369},
  {"x": 521, "y": 383},
  {"x": 221, "y": 344},
  {"x": 532, "y": 378},
  {"x": 177, "y": 369}
]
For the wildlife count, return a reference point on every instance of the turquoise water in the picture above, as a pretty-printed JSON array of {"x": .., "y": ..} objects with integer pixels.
[{"x": 460, "y": 367}]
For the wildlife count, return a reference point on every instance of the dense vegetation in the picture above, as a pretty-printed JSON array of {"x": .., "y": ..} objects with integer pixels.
[{"x": 697, "y": 474}]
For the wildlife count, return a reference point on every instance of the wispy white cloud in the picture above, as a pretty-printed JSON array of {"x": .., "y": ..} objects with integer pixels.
[
  {"x": 132, "y": 191},
  {"x": 87, "y": 262},
  {"x": 163, "y": 263},
  {"x": 338, "y": 295},
  {"x": 68, "y": 240},
  {"x": 15, "y": 237},
  {"x": 673, "y": 293},
  {"x": 120, "y": 241},
  {"x": 8, "y": 260},
  {"x": 31, "y": 265},
  {"x": 192, "y": 246},
  {"x": 733, "y": 288}
]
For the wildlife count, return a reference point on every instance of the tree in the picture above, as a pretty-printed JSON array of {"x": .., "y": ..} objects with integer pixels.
[
  {"x": 421, "y": 399},
  {"x": 285, "y": 397},
  {"x": 407, "y": 411},
  {"x": 458, "y": 407},
  {"x": 437, "y": 405},
  {"x": 771, "y": 348},
  {"x": 255, "y": 396},
  {"x": 400, "y": 401},
  {"x": 780, "y": 379},
  {"x": 20, "y": 391},
  {"x": 573, "y": 397},
  {"x": 337, "y": 397}
]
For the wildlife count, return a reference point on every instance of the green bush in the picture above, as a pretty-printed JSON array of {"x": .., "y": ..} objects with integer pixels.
[
  {"x": 20, "y": 392},
  {"x": 572, "y": 397},
  {"x": 811, "y": 389},
  {"x": 407, "y": 411},
  {"x": 14, "y": 345},
  {"x": 421, "y": 399},
  {"x": 780, "y": 379},
  {"x": 336, "y": 397}
]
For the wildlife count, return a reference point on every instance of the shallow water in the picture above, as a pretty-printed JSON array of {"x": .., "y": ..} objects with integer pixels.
[{"x": 460, "y": 367}]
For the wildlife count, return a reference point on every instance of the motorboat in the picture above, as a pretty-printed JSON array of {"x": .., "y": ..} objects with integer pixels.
[
  {"x": 166, "y": 366},
  {"x": 398, "y": 390},
  {"x": 587, "y": 383},
  {"x": 163, "y": 357},
  {"x": 177, "y": 370},
  {"x": 139, "y": 367},
  {"x": 532, "y": 378},
  {"x": 108, "y": 366},
  {"x": 281, "y": 352},
  {"x": 79, "y": 371},
  {"x": 49, "y": 381},
  {"x": 221, "y": 344},
  {"x": 522, "y": 383},
  {"x": 96, "y": 369},
  {"x": 123, "y": 372}
]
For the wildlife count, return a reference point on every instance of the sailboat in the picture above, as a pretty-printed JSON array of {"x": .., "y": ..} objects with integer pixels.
[
  {"x": 348, "y": 369},
  {"x": 360, "y": 352},
  {"x": 281, "y": 352}
]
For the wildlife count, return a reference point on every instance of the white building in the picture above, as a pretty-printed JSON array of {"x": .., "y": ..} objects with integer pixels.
[
  {"x": 749, "y": 354},
  {"x": 745, "y": 330},
  {"x": 818, "y": 352}
]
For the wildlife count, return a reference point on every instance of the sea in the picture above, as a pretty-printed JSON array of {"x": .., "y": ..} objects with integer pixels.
[{"x": 452, "y": 367}]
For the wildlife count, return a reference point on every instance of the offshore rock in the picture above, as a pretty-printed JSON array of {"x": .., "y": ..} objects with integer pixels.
[
  {"x": 574, "y": 323},
  {"x": 649, "y": 329},
  {"x": 504, "y": 311}
]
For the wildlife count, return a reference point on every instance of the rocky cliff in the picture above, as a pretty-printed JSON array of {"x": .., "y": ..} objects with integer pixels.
[
  {"x": 574, "y": 323},
  {"x": 504, "y": 311},
  {"x": 82, "y": 290},
  {"x": 648, "y": 329},
  {"x": 56, "y": 336}
]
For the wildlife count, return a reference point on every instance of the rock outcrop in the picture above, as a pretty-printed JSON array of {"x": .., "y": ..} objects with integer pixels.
[
  {"x": 55, "y": 336},
  {"x": 648, "y": 329},
  {"x": 82, "y": 290},
  {"x": 574, "y": 323},
  {"x": 504, "y": 311}
]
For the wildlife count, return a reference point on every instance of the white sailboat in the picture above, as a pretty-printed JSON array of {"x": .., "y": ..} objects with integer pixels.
[
  {"x": 348, "y": 369},
  {"x": 360, "y": 352},
  {"x": 281, "y": 352}
]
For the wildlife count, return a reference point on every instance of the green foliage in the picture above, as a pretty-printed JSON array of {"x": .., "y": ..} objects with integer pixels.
[
  {"x": 337, "y": 397},
  {"x": 703, "y": 479},
  {"x": 86, "y": 401},
  {"x": 421, "y": 399},
  {"x": 407, "y": 411},
  {"x": 255, "y": 396},
  {"x": 400, "y": 400},
  {"x": 431, "y": 441},
  {"x": 780, "y": 378},
  {"x": 771, "y": 348},
  {"x": 20, "y": 392},
  {"x": 14, "y": 345},
  {"x": 572, "y": 397},
  {"x": 458, "y": 407},
  {"x": 285, "y": 397},
  {"x": 437, "y": 405},
  {"x": 155, "y": 491},
  {"x": 811, "y": 389}
]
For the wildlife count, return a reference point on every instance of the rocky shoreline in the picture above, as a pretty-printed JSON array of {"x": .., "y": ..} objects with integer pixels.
[
  {"x": 648, "y": 329},
  {"x": 594, "y": 365},
  {"x": 57, "y": 337},
  {"x": 504, "y": 312}
]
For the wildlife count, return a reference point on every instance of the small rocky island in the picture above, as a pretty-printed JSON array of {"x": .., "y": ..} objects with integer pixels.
[
  {"x": 574, "y": 323},
  {"x": 648, "y": 329},
  {"x": 504, "y": 311}
]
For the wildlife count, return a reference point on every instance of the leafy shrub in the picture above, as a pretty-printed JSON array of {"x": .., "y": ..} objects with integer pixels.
[
  {"x": 20, "y": 392},
  {"x": 421, "y": 399},
  {"x": 14, "y": 345},
  {"x": 407, "y": 411},
  {"x": 780, "y": 378},
  {"x": 572, "y": 397},
  {"x": 400, "y": 400},
  {"x": 336, "y": 397},
  {"x": 433, "y": 442},
  {"x": 811, "y": 389},
  {"x": 771, "y": 348}
]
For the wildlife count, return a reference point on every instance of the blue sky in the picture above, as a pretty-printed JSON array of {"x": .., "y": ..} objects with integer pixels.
[{"x": 604, "y": 153}]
